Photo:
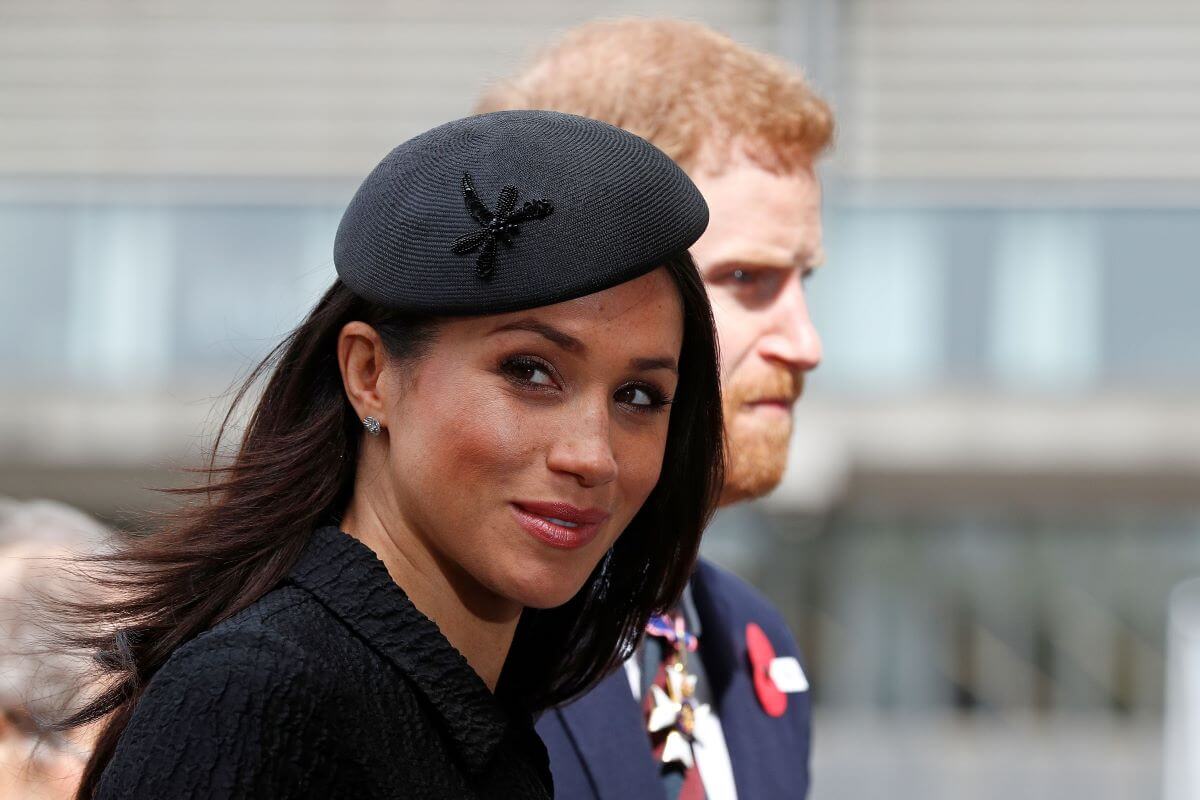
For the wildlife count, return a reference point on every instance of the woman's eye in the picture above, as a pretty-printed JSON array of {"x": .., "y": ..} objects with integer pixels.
[
  {"x": 641, "y": 396},
  {"x": 743, "y": 276},
  {"x": 540, "y": 376},
  {"x": 527, "y": 370}
]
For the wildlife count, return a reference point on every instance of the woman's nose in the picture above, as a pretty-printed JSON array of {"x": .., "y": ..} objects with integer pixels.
[{"x": 585, "y": 450}]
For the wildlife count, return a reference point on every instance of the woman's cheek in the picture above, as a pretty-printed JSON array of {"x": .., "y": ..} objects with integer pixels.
[
  {"x": 487, "y": 439},
  {"x": 642, "y": 466}
]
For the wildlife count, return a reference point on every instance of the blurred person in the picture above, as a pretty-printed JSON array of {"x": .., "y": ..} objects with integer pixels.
[
  {"x": 723, "y": 703},
  {"x": 38, "y": 685},
  {"x": 478, "y": 466}
]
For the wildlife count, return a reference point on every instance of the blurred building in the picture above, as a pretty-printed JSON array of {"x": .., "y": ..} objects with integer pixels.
[{"x": 995, "y": 475}]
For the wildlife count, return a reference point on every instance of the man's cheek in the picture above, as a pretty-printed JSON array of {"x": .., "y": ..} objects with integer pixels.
[
  {"x": 735, "y": 368},
  {"x": 729, "y": 352}
]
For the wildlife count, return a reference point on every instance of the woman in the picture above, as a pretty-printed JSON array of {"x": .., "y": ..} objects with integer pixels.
[{"x": 479, "y": 465}]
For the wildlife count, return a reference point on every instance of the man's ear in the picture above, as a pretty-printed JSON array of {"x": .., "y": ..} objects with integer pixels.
[{"x": 361, "y": 359}]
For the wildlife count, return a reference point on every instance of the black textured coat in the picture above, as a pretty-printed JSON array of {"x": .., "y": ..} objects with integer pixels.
[{"x": 333, "y": 685}]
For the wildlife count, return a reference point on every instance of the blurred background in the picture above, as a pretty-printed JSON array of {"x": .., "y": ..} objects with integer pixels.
[{"x": 994, "y": 483}]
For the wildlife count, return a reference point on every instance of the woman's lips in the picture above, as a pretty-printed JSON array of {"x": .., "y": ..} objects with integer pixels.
[{"x": 559, "y": 524}]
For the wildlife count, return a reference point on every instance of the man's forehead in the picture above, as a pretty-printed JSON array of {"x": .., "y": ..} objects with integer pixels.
[
  {"x": 723, "y": 150},
  {"x": 796, "y": 192},
  {"x": 761, "y": 217},
  {"x": 761, "y": 236}
]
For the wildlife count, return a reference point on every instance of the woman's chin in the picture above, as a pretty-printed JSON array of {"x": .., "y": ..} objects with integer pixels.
[{"x": 543, "y": 590}]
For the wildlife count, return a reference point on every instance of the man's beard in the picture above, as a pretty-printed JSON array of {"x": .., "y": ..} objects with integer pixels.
[{"x": 757, "y": 448}]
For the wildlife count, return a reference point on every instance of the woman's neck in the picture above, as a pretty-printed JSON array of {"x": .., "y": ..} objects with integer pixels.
[{"x": 477, "y": 622}]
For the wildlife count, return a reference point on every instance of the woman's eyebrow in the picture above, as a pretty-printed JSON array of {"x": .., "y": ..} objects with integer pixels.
[
  {"x": 572, "y": 345},
  {"x": 662, "y": 362},
  {"x": 564, "y": 340}
]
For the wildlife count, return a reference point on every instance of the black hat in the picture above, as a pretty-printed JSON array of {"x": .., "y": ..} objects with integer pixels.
[{"x": 511, "y": 210}]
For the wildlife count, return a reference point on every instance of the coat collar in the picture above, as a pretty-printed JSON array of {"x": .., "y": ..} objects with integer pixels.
[{"x": 350, "y": 580}]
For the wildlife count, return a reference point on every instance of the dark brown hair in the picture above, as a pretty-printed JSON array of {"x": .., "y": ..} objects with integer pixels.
[{"x": 294, "y": 470}]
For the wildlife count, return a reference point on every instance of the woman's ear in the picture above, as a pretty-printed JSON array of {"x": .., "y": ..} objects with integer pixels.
[{"x": 361, "y": 359}]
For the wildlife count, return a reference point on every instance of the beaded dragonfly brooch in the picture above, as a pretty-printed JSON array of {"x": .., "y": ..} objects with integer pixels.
[{"x": 498, "y": 226}]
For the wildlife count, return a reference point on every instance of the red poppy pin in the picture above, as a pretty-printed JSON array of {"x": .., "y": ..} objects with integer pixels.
[{"x": 761, "y": 653}]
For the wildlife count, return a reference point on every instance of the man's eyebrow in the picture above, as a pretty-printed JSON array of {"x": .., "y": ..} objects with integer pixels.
[
  {"x": 662, "y": 362},
  {"x": 806, "y": 258},
  {"x": 564, "y": 340}
]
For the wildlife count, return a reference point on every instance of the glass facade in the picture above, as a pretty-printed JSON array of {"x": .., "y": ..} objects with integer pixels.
[{"x": 911, "y": 301}]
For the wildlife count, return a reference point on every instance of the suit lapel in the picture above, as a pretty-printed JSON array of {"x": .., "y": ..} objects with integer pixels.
[
  {"x": 758, "y": 744},
  {"x": 606, "y": 727}
]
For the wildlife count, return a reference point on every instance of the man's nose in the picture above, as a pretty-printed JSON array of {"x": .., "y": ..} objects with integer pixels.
[
  {"x": 791, "y": 337},
  {"x": 585, "y": 448}
]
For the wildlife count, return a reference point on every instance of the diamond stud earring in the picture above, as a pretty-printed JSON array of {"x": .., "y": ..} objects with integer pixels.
[{"x": 372, "y": 425}]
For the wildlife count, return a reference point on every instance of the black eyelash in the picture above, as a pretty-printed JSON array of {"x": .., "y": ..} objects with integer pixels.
[
  {"x": 526, "y": 362},
  {"x": 658, "y": 400}
]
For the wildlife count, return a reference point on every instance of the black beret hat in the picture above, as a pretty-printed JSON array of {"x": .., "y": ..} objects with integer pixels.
[{"x": 512, "y": 210}]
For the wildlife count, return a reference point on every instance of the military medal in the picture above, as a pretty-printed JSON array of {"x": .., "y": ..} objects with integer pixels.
[{"x": 675, "y": 710}]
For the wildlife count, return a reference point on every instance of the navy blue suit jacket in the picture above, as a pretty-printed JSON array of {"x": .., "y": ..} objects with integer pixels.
[{"x": 598, "y": 746}]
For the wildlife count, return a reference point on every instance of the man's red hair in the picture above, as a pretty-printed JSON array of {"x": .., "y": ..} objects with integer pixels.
[{"x": 696, "y": 94}]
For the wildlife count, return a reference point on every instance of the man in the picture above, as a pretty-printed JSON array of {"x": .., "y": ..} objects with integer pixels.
[{"x": 714, "y": 702}]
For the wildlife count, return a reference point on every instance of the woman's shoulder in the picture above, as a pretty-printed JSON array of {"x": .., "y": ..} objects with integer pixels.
[
  {"x": 247, "y": 708},
  {"x": 283, "y": 634},
  {"x": 267, "y": 638}
]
